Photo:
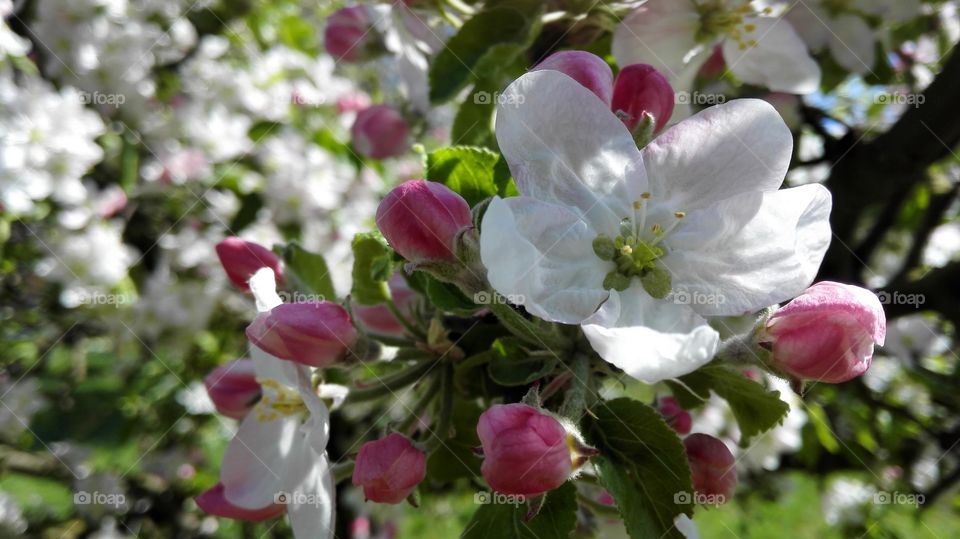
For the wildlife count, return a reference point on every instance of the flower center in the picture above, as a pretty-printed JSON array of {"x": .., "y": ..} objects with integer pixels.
[
  {"x": 722, "y": 18},
  {"x": 636, "y": 250},
  {"x": 281, "y": 401}
]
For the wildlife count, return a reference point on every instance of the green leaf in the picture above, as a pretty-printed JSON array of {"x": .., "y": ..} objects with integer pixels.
[
  {"x": 556, "y": 519},
  {"x": 309, "y": 271},
  {"x": 490, "y": 40},
  {"x": 643, "y": 466},
  {"x": 369, "y": 282},
  {"x": 511, "y": 365},
  {"x": 473, "y": 124},
  {"x": 474, "y": 173},
  {"x": 756, "y": 409},
  {"x": 295, "y": 32},
  {"x": 455, "y": 457},
  {"x": 448, "y": 297}
]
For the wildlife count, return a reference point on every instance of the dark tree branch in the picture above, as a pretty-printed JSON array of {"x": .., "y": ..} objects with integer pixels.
[{"x": 870, "y": 173}]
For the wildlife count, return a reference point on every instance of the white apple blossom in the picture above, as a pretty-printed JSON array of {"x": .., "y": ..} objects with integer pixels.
[
  {"x": 47, "y": 143},
  {"x": 280, "y": 447},
  {"x": 841, "y": 27},
  {"x": 677, "y": 36},
  {"x": 692, "y": 226},
  {"x": 11, "y": 43},
  {"x": 89, "y": 263}
]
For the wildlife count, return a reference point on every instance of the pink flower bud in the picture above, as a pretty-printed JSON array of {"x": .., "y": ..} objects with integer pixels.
[
  {"x": 350, "y": 35},
  {"x": 588, "y": 69},
  {"x": 676, "y": 416},
  {"x": 379, "y": 319},
  {"x": 641, "y": 89},
  {"x": 380, "y": 132},
  {"x": 421, "y": 220},
  {"x": 233, "y": 388},
  {"x": 315, "y": 333},
  {"x": 389, "y": 469},
  {"x": 712, "y": 466},
  {"x": 525, "y": 451},
  {"x": 827, "y": 333},
  {"x": 214, "y": 502},
  {"x": 241, "y": 259}
]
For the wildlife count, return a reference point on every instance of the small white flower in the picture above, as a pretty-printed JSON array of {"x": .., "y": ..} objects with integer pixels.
[
  {"x": 677, "y": 36},
  {"x": 840, "y": 26},
  {"x": 280, "y": 446},
  {"x": 697, "y": 221}
]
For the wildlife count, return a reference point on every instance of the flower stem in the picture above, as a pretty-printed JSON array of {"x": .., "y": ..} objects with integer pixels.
[
  {"x": 523, "y": 328},
  {"x": 388, "y": 385},
  {"x": 342, "y": 471},
  {"x": 575, "y": 400},
  {"x": 415, "y": 331},
  {"x": 442, "y": 427},
  {"x": 418, "y": 408}
]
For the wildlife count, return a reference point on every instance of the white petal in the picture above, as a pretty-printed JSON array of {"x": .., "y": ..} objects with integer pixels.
[
  {"x": 661, "y": 33},
  {"x": 269, "y": 367},
  {"x": 750, "y": 251},
  {"x": 263, "y": 284},
  {"x": 811, "y": 24},
  {"x": 734, "y": 148},
  {"x": 852, "y": 44},
  {"x": 297, "y": 377},
  {"x": 779, "y": 60},
  {"x": 316, "y": 429},
  {"x": 540, "y": 255},
  {"x": 686, "y": 527},
  {"x": 892, "y": 11},
  {"x": 254, "y": 469},
  {"x": 650, "y": 339},
  {"x": 565, "y": 146},
  {"x": 312, "y": 507}
]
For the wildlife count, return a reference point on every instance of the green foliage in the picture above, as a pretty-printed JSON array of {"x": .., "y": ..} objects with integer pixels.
[
  {"x": 556, "y": 519},
  {"x": 309, "y": 271},
  {"x": 474, "y": 173},
  {"x": 756, "y": 409},
  {"x": 491, "y": 39},
  {"x": 371, "y": 269},
  {"x": 643, "y": 465},
  {"x": 512, "y": 365}
]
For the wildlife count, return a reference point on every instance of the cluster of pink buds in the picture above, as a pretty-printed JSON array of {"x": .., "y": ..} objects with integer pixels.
[{"x": 639, "y": 95}]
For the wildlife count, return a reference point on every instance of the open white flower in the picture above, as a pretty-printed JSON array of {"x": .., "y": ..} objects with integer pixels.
[
  {"x": 279, "y": 453},
  {"x": 677, "y": 36},
  {"x": 840, "y": 26},
  {"x": 638, "y": 248}
]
